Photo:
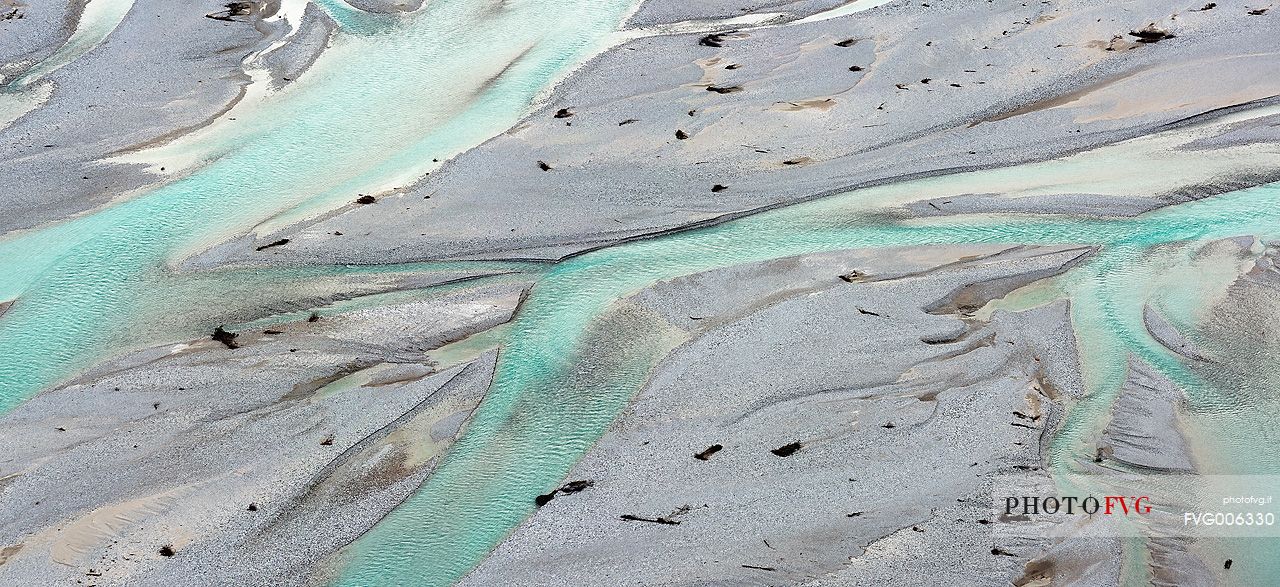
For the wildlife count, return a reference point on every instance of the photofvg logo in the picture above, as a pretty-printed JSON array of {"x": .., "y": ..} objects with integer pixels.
[
  {"x": 1107, "y": 505},
  {"x": 1122, "y": 504}
]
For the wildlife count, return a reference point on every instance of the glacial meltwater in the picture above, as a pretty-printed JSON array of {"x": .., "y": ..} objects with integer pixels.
[{"x": 394, "y": 93}]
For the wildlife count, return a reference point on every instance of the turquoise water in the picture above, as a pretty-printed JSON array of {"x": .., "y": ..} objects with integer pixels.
[
  {"x": 393, "y": 93},
  {"x": 555, "y": 393},
  {"x": 390, "y": 95}
]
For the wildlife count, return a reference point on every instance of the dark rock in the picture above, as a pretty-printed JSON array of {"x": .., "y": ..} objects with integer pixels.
[
  {"x": 569, "y": 488},
  {"x": 314, "y": 317},
  {"x": 167, "y": 550},
  {"x": 1001, "y": 552},
  {"x": 732, "y": 66},
  {"x": 1151, "y": 34},
  {"x": 724, "y": 89},
  {"x": 327, "y": 440},
  {"x": 787, "y": 450},
  {"x": 714, "y": 40},
  {"x": 759, "y": 568},
  {"x": 573, "y": 487},
  {"x": 853, "y": 515},
  {"x": 283, "y": 241},
  {"x": 1226, "y": 564},
  {"x": 1258, "y": 12},
  {"x": 627, "y": 121},
  {"x": 852, "y": 276},
  {"x": 855, "y": 68},
  {"x": 543, "y": 166},
  {"x": 681, "y": 135},
  {"x": 563, "y": 113},
  {"x": 226, "y": 338},
  {"x": 707, "y": 452},
  {"x": 270, "y": 331},
  {"x": 233, "y": 9},
  {"x": 659, "y": 520},
  {"x": 719, "y": 188},
  {"x": 1209, "y": 6},
  {"x": 366, "y": 200},
  {"x": 889, "y": 425},
  {"x": 253, "y": 507},
  {"x": 847, "y": 43}
]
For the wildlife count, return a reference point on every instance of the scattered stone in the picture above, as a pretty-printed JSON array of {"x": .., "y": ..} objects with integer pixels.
[
  {"x": 543, "y": 165},
  {"x": 853, "y": 515},
  {"x": 732, "y": 66},
  {"x": 707, "y": 452},
  {"x": 569, "y": 488},
  {"x": 327, "y": 440},
  {"x": 724, "y": 89},
  {"x": 847, "y": 43},
  {"x": 659, "y": 520},
  {"x": 253, "y": 507},
  {"x": 719, "y": 188},
  {"x": 713, "y": 40},
  {"x": 233, "y": 9},
  {"x": 855, "y": 68},
  {"x": 926, "y": 80},
  {"x": 564, "y": 113},
  {"x": 681, "y": 135},
  {"x": 627, "y": 121},
  {"x": 1226, "y": 564},
  {"x": 1151, "y": 34},
  {"x": 787, "y": 450},
  {"x": 167, "y": 550},
  {"x": 1258, "y": 12},
  {"x": 575, "y": 486},
  {"x": 889, "y": 425},
  {"x": 1001, "y": 552},
  {"x": 1209, "y": 6},
  {"x": 283, "y": 241},
  {"x": 366, "y": 200},
  {"x": 226, "y": 338}
]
